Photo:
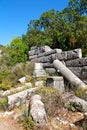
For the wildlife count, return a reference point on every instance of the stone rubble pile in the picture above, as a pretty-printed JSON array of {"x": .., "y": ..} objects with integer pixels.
[{"x": 72, "y": 59}]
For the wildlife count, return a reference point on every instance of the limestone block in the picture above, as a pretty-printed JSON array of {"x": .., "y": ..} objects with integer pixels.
[
  {"x": 37, "y": 110},
  {"x": 32, "y": 57},
  {"x": 80, "y": 62},
  {"x": 73, "y": 54},
  {"x": 31, "y": 53},
  {"x": 45, "y": 59},
  {"x": 18, "y": 98},
  {"x": 58, "y": 50},
  {"x": 57, "y": 56},
  {"x": 22, "y": 80},
  {"x": 49, "y": 53},
  {"x": 84, "y": 73},
  {"x": 46, "y": 48},
  {"x": 33, "y": 47},
  {"x": 56, "y": 82},
  {"x": 38, "y": 70},
  {"x": 50, "y": 70},
  {"x": 47, "y": 65},
  {"x": 76, "y": 71}
]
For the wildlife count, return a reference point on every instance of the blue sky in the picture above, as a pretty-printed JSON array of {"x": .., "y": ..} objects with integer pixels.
[{"x": 16, "y": 14}]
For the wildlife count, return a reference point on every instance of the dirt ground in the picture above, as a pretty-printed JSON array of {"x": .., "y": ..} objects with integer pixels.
[{"x": 8, "y": 122}]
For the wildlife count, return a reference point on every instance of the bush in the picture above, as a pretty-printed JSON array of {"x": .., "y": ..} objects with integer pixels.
[
  {"x": 27, "y": 122},
  {"x": 3, "y": 104},
  {"x": 51, "y": 99}
]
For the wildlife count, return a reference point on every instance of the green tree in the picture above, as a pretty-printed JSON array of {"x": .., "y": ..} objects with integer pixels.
[
  {"x": 18, "y": 51},
  {"x": 66, "y": 29}
]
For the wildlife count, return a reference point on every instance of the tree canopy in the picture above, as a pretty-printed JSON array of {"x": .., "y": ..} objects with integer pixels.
[{"x": 66, "y": 29}]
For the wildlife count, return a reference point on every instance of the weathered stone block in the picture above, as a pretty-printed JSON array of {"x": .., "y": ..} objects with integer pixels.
[
  {"x": 45, "y": 59},
  {"x": 47, "y": 65},
  {"x": 84, "y": 73},
  {"x": 51, "y": 70},
  {"x": 80, "y": 62},
  {"x": 73, "y": 54},
  {"x": 32, "y": 57},
  {"x": 19, "y": 98},
  {"x": 33, "y": 47},
  {"x": 56, "y": 82},
  {"x": 39, "y": 71},
  {"x": 76, "y": 71}
]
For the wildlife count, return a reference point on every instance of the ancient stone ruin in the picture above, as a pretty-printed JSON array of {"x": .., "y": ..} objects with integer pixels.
[{"x": 54, "y": 60}]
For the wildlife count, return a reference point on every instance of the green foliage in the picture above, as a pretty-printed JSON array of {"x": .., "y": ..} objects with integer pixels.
[
  {"x": 66, "y": 29},
  {"x": 18, "y": 51},
  {"x": 5, "y": 85},
  {"x": 51, "y": 98},
  {"x": 73, "y": 106},
  {"x": 27, "y": 122},
  {"x": 80, "y": 93},
  {"x": 3, "y": 104}
]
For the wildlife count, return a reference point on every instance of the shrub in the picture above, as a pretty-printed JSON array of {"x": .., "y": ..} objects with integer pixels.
[
  {"x": 3, "y": 104},
  {"x": 51, "y": 98},
  {"x": 80, "y": 93},
  {"x": 27, "y": 122}
]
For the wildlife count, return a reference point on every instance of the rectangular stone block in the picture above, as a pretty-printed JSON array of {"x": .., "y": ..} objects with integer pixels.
[
  {"x": 56, "y": 82},
  {"x": 48, "y": 65},
  {"x": 45, "y": 59},
  {"x": 32, "y": 57},
  {"x": 51, "y": 70},
  {"x": 80, "y": 62},
  {"x": 73, "y": 54}
]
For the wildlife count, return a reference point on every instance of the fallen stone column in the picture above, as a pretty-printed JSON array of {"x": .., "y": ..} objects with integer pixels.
[
  {"x": 37, "y": 110},
  {"x": 19, "y": 98},
  {"x": 69, "y": 75}
]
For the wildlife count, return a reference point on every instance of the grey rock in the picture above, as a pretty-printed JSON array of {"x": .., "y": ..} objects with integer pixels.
[
  {"x": 50, "y": 70},
  {"x": 38, "y": 70},
  {"x": 18, "y": 98},
  {"x": 80, "y": 62},
  {"x": 47, "y": 65},
  {"x": 32, "y": 57},
  {"x": 45, "y": 59},
  {"x": 73, "y": 54},
  {"x": 33, "y": 47},
  {"x": 76, "y": 71}
]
